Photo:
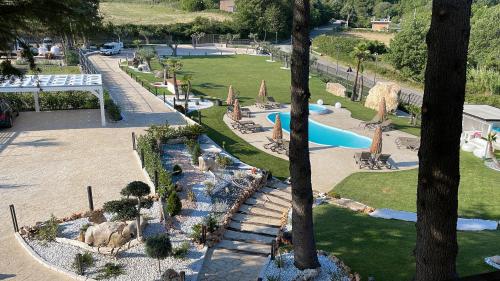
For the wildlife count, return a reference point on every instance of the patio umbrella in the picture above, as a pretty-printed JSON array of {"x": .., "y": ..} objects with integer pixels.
[
  {"x": 230, "y": 96},
  {"x": 277, "y": 129},
  {"x": 382, "y": 111},
  {"x": 376, "y": 147},
  {"x": 263, "y": 91},
  {"x": 237, "y": 110}
]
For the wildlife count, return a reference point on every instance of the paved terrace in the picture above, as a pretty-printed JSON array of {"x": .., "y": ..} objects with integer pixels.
[
  {"x": 48, "y": 158},
  {"x": 330, "y": 165}
]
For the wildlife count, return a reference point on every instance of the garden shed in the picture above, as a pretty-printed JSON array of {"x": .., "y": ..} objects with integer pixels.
[
  {"x": 483, "y": 118},
  {"x": 56, "y": 83}
]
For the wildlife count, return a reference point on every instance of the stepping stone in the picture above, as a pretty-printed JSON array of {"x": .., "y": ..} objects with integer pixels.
[
  {"x": 266, "y": 204},
  {"x": 259, "y": 229},
  {"x": 248, "y": 209},
  {"x": 284, "y": 194},
  {"x": 259, "y": 249},
  {"x": 272, "y": 198},
  {"x": 247, "y": 237},
  {"x": 257, "y": 219}
]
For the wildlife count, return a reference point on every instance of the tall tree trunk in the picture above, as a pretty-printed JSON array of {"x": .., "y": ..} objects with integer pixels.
[
  {"x": 300, "y": 167},
  {"x": 439, "y": 175},
  {"x": 355, "y": 87},
  {"x": 139, "y": 232},
  {"x": 176, "y": 89},
  {"x": 186, "y": 96}
]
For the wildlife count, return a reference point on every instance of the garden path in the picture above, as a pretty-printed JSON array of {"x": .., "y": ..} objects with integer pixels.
[{"x": 247, "y": 241}]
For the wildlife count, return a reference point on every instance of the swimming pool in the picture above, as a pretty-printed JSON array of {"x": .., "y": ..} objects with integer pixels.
[
  {"x": 317, "y": 109},
  {"x": 325, "y": 135}
]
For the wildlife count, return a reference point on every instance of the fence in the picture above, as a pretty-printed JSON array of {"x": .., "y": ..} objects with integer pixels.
[{"x": 85, "y": 63}]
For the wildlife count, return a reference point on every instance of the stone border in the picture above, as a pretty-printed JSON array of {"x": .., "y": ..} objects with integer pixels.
[{"x": 43, "y": 262}]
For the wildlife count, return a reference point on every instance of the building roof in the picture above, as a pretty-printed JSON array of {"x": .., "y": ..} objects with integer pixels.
[
  {"x": 481, "y": 111},
  {"x": 381, "y": 21},
  {"x": 36, "y": 83}
]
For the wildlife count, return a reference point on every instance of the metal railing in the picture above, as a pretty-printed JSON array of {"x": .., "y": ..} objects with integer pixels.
[{"x": 85, "y": 63}]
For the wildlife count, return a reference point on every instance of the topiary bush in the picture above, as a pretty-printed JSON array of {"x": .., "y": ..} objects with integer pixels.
[
  {"x": 174, "y": 204},
  {"x": 196, "y": 153},
  {"x": 158, "y": 247},
  {"x": 176, "y": 170}
]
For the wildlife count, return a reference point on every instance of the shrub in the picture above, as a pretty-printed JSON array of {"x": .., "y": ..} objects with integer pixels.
[
  {"x": 158, "y": 247},
  {"x": 113, "y": 110},
  {"x": 209, "y": 187},
  {"x": 192, "y": 5},
  {"x": 335, "y": 195},
  {"x": 124, "y": 209},
  {"x": 82, "y": 261},
  {"x": 176, "y": 170},
  {"x": 180, "y": 108},
  {"x": 71, "y": 57},
  {"x": 223, "y": 161},
  {"x": 211, "y": 223},
  {"x": 191, "y": 132},
  {"x": 196, "y": 153},
  {"x": 174, "y": 204},
  {"x": 196, "y": 232},
  {"x": 181, "y": 251},
  {"x": 191, "y": 196},
  {"x": 48, "y": 230},
  {"x": 110, "y": 270}
]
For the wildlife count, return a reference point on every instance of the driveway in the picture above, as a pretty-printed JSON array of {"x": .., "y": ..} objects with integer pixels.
[{"x": 49, "y": 158}]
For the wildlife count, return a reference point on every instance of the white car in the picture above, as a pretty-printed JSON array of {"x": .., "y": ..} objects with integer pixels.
[{"x": 112, "y": 48}]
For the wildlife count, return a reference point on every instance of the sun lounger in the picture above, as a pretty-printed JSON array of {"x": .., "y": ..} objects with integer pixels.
[
  {"x": 363, "y": 159},
  {"x": 240, "y": 124},
  {"x": 410, "y": 143},
  {"x": 273, "y": 103},
  {"x": 245, "y": 112},
  {"x": 251, "y": 128},
  {"x": 382, "y": 160},
  {"x": 264, "y": 106}
]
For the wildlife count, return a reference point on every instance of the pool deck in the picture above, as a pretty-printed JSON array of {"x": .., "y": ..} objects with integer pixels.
[{"x": 330, "y": 165}]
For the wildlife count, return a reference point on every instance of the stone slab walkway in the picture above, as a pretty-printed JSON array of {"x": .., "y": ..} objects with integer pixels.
[{"x": 247, "y": 241}]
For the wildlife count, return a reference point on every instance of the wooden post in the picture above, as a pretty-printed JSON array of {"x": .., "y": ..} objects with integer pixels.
[
  {"x": 14, "y": 218},
  {"x": 203, "y": 234},
  {"x": 199, "y": 116},
  {"x": 273, "y": 249},
  {"x": 79, "y": 267},
  {"x": 134, "y": 145},
  {"x": 156, "y": 179},
  {"x": 142, "y": 158},
  {"x": 164, "y": 101},
  {"x": 91, "y": 199},
  {"x": 182, "y": 275},
  {"x": 174, "y": 102}
]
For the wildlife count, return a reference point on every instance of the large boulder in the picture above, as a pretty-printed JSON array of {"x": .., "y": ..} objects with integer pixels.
[
  {"x": 96, "y": 217},
  {"x": 389, "y": 90},
  {"x": 336, "y": 89},
  {"x": 112, "y": 234}
]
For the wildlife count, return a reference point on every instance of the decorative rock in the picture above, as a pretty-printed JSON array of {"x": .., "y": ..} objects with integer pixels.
[
  {"x": 496, "y": 259},
  {"x": 170, "y": 275},
  {"x": 112, "y": 234},
  {"x": 336, "y": 89},
  {"x": 389, "y": 90},
  {"x": 338, "y": 105},
  {"x": 143, "y": 67},
  {"x": 206, "y": 164},
  {"x": 308, "y": 274},
  {"x": 97, "y": 217}
]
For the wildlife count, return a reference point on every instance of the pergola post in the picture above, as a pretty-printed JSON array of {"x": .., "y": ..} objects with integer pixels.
[
  {"x": 100, "y": 94},
  {"x": 37, "y": 101}
]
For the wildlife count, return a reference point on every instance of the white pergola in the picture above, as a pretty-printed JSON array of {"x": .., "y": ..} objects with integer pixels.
[{"x": 56, "y": 83}]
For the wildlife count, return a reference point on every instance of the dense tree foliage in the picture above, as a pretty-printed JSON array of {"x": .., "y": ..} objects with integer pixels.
[{"x": 484, "y": 45}]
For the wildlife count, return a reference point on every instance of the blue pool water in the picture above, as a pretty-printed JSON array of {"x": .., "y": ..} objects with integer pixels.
[
  {"x": 496, "y": 129},
  {"x": 325, "y": 135},
  {"x": 317, "y": 109}
]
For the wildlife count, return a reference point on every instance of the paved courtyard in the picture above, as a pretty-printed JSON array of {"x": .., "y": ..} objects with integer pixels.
[
  {"x": 49, "y": 158},
  {"x": 330, "y": 165}
]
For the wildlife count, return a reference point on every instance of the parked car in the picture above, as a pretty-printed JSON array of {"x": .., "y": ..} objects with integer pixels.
[
  {"x": 111, "y": 48},
  {"x": 7, "y": 113}
]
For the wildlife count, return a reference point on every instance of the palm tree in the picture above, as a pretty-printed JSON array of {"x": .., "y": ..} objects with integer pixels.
[
  {"x": 186, "y": 81},
  {"x": 439, "y": 155},
  {"x": 361, "y": 54},
  {"x": 173, "y": 67},
  {"x": 305, "y": 255},
  {"x": 490, "y": 139}
]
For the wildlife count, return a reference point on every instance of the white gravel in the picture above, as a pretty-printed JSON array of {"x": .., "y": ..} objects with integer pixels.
[{"x": 290, "y": 272}]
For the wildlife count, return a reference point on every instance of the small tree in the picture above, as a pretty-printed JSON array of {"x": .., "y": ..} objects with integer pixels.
[
  {"x": 137, "y": 44},
  {"x": 360, "y": 53},
  {"x": 159, "y": 247},
  {"x": 174, "y": 66},
  {"x": 186, "y": 82},
  {"x": 137, "y": 189},
  {"x": 490, "y": 139},
  {"x": 174, "y": 204},
  {"x": 146, "y": 54}
]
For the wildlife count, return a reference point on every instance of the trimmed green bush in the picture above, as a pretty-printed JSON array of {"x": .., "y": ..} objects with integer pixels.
[
  {"x": 158, "y": 247},
  {"x": 196, "y": 153},
  {"x": 176, "y": 170},
  {"x": 174, "y": 204}
]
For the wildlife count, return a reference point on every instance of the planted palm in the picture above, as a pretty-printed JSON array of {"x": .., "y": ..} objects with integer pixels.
[
  {"x": 174, "y": 66},
  {"x": 490, "y": 139},
  {"x": 361, "y": 53}
]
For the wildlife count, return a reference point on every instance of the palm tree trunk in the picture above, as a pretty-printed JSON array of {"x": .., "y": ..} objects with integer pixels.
[
  {"x": 176, "y": 89},
  {"x": 186, "y": 96},
  {"x": 439, "y": 175},
  {"x": 355, "y": 87},
  {"x": 305, "y": 255}
]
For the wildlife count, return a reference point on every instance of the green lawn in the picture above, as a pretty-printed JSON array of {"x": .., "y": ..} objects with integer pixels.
[
  {"x": 478, "y": 193},
  {"x": 146, "y": 13},
  {"x": 383, "y": 248}
]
